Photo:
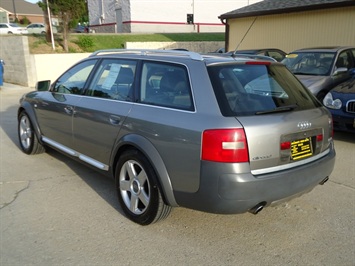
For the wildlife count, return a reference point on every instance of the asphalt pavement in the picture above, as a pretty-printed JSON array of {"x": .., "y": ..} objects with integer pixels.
[{"x": 55, "y": 211}]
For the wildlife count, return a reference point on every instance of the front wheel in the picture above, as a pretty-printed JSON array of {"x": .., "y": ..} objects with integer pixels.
[
  {"x": 28, "y": 139},
  {"x": 320, "y": 96},
  {"x": 138, "y": 191}
]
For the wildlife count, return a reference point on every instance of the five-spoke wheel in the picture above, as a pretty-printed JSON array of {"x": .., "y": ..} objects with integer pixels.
[{"x": 138, "y": 190}]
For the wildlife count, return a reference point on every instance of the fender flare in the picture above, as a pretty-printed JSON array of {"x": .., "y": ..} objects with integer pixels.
[
  {"x": 25, "y": 106},
  {"x": 147, "y": 148}
]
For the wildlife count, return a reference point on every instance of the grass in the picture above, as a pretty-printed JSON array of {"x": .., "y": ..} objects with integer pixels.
[{"x": 93, "y": 42}]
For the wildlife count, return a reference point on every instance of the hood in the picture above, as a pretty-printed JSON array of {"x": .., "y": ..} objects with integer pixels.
[
  {"x": 314, "y": 83},
  {"x": 347, "y": 87}
]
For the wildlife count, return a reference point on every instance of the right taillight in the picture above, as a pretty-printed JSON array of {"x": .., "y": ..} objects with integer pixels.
[{"x": 225, "y": 145}]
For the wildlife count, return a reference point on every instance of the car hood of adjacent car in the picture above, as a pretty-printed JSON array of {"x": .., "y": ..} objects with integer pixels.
[
  {"x": 347, "y": 87},
  {"x": 313, "y": 83}
]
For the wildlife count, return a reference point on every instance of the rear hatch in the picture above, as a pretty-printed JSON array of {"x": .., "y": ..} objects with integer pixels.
[{"x": 284, "y": 125}]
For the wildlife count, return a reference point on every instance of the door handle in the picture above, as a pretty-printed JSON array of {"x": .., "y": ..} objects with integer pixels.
[
  {"x": 114, "y": 120},
  {"x": 69, "y": 110}
]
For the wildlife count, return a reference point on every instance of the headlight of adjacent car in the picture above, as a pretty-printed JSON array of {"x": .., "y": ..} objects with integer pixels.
[{"x": 329, "y": 102}]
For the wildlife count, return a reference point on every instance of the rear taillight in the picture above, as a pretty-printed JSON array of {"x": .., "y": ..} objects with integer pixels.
[
  {"x": 225, "y": 145},
  {"x": 319, "y": 137}
]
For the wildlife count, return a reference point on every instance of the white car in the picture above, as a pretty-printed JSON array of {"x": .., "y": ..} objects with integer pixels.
[
  {"x": 12, "y": 28},
  {"x": 39, "y": 28}
]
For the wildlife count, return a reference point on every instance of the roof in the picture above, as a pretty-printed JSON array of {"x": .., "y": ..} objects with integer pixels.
[
  {"x": 333, "y": 49},
  {"x": 22, "y": 7},
  {"x": 271, "y": 7}
]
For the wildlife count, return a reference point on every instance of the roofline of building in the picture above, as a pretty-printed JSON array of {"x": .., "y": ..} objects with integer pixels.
[{"x": 286, "y": 10}]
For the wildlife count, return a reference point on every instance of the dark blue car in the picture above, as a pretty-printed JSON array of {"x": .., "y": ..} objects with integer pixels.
[{"x": 341, "y": 103}]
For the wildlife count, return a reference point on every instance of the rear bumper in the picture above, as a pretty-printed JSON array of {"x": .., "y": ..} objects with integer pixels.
[{"x": 230, "y": 193}]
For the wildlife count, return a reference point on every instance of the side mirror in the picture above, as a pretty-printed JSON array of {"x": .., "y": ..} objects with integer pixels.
[
  {"x": 340, "y": 70},
  {"x": 43, "y": 85}
]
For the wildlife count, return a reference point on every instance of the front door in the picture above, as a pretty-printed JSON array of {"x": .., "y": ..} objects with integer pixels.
[{"x": 56, "y": 111}]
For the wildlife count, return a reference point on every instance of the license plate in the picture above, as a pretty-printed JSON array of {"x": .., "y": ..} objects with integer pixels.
[{"x": 301, "y": 149}]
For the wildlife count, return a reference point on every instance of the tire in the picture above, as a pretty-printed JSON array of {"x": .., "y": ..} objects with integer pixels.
[
  {"x": 138, "y": 190},
  {"x": 320, "y": 96},
  {"x": 28, "y": 139}
]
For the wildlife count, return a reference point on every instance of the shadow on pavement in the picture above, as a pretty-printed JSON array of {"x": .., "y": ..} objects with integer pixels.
[
  {"x": 344, "y": 136},
  {"x": 103, "y": 185}
]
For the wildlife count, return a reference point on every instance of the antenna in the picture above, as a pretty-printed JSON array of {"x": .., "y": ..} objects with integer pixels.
[{"x": 251, "y": 25}]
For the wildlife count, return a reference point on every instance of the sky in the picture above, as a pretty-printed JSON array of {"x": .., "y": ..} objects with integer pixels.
[{"x": 32, "y": 1}]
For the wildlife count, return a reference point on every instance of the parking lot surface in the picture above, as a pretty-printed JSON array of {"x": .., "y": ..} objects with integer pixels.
[{"x": 55, "y": 211}]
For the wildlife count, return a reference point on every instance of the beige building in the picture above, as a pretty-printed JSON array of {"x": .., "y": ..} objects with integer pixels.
[
  {"x": 291, "y": 24},
  {"x": 12, "y": 9}
]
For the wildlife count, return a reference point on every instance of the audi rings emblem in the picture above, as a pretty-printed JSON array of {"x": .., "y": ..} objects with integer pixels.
[{"x": 304, "y": 125}]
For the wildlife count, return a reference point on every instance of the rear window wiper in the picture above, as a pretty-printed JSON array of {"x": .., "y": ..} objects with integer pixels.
[{"x": 278, "y": 109}]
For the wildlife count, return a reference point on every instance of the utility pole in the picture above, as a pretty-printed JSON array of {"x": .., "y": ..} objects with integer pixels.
[
  {"x": 14, "y": 6},
  {"x": 50, "y": 25}
]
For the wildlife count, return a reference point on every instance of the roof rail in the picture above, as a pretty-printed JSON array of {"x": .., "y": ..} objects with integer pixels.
[{"x": 145, "y": 52}]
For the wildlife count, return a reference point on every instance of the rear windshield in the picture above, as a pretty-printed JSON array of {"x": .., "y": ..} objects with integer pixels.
[{"x": 257, "y": 89}]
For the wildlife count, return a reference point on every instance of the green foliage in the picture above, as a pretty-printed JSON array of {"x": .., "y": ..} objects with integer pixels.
[
  {"x": 85, "y": 42},
  {"x": 119, "y": 40},
  {"x": 67, "y": 11},
  {"x": 25, "y": 21},
  {"x": 93, "y": 42}
]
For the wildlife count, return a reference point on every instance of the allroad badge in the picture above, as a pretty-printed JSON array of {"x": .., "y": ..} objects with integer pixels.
[{"x": 304, "y": 125}]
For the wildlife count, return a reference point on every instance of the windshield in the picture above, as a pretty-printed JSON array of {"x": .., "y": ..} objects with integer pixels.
[
  {"x": 310, "y": 63},
  {"x": 14, "y": 25},
  {"x": 256, "y": 89}
]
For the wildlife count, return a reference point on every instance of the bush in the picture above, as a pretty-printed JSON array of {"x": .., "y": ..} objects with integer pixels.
[
  {"x": 25, "y": 21},
  {"x": 85, "y": 42}
]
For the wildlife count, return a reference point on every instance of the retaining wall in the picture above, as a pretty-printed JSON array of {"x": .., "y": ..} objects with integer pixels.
[{"x": 26, "y": 69}]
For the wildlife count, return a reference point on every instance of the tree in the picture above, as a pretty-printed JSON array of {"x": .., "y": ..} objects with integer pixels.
[
  {"x": 67, "y": 11},
  {"x": 46, "y": 19}
]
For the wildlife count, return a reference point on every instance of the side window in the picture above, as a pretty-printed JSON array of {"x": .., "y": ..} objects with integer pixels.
[
  {"x": 344, "y": 60},
  {"x": 114, "y": 79},
  {"x": 276, "y": 55},
  {"x": 165, "y": 85},
  {"x": 73, "y": 81}
]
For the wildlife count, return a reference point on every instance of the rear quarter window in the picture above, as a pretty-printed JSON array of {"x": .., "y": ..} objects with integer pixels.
[{"x": 257, "y": 88}]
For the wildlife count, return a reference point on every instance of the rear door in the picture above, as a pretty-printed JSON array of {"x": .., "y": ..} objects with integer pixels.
[
  {"x": 100, "y": 114},
  {"x": 284, "y": 124},
  {"x": 286, "y": 127}
]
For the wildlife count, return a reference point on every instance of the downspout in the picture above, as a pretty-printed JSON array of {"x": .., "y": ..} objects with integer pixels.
[
  {"x": 102, "y": 17},
  {"x": 226, "y": 34}
]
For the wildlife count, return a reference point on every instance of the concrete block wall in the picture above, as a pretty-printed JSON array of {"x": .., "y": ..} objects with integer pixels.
[
  {"x": 19, "y": 68},
  {"x": 26, "y": 69}
]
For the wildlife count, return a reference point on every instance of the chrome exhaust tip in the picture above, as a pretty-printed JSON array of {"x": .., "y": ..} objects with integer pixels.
[
  {"x": 257, "y": 208},
  {"x": 323, "y": 181}
]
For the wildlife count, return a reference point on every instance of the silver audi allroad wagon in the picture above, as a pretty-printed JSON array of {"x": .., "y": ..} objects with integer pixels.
[{"x": 213, "y": 133}]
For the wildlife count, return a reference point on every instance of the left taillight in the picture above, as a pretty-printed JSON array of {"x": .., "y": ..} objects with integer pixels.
[{"x": 225, "y": 145}]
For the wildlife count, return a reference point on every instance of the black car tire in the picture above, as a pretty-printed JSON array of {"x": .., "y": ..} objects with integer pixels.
[
  {"x": 138, "y": 190},
  {"x": 320, "y": 96},
  {"x": 28, "y": 139}
]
